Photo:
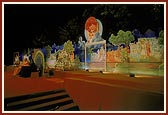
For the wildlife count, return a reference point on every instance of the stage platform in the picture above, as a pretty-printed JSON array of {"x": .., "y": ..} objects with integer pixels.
[{"x": 94, "y": 91}]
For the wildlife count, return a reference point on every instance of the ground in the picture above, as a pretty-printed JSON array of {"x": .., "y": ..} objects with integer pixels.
[{"x": 95, "y": 91}]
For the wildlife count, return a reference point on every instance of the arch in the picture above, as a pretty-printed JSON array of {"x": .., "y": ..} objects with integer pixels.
[{"x": 38, "y": 58}]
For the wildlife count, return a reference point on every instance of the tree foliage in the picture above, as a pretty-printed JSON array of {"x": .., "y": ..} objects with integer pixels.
[
  {"x": 68, "y": 47},
  {"x": 40, "y": 41},
  {"x": 48, "y": 51},
  {"x": 114, "y": 17},
  {"x": 121, "y": 38},
  {"x": 161, "y": 37},
  {"x": 70, "y": 31}
]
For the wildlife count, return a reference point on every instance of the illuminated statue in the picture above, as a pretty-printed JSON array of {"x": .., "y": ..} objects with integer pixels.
[
  {"x": 97, "y": 37},
  {"x": 26, "y": 56},
  {"x": 81, "y": 43},
  {"x": 16, "y": 61},
  {"x": 93, "y": 30},
  {"x": 95, "y": 47}
]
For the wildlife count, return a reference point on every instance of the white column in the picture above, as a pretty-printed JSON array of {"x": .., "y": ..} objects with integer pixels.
[
  {"x": 85, "y": 55},
  {"x": 105, "y": 58}
]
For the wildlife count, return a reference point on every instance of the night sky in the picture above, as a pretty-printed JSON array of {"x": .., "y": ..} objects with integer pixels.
[{"x": 23, "y": 22}]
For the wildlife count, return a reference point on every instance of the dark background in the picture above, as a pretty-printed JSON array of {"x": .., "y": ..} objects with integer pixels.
[{"x": 25, "y": 23}]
